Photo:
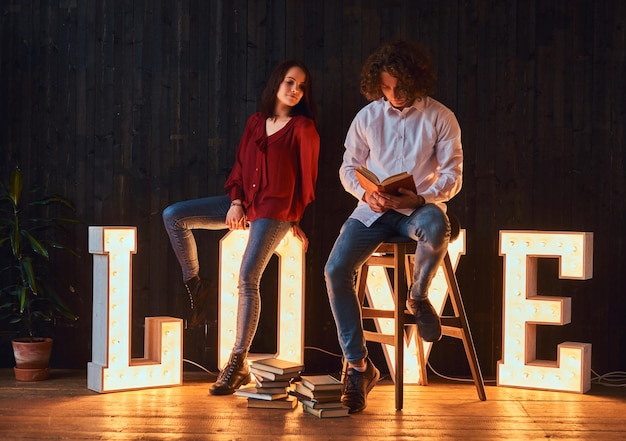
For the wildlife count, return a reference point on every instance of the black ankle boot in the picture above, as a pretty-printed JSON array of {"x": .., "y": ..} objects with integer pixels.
[
  {"x": 198, "y": 291},
  {"x": 426, "y": 318},
  {"x": 234, "y": 374}
]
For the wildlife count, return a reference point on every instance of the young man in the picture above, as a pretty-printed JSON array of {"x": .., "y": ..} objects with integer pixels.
[{"x": 401, "y": 129}]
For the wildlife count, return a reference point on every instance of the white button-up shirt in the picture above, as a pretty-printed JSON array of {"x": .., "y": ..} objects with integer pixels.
[{"x": 423, "y": 139}]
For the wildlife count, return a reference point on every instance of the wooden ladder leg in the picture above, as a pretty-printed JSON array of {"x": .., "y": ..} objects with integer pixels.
[
  {"x": 419, "y": 343},
  {"x": 466, "y": 336},
  {"x": 421, "y": 358},
  {"x": 400, "y": 289}
]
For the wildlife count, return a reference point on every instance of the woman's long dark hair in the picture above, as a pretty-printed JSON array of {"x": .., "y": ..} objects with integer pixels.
[{"x": 305, "y": 107}]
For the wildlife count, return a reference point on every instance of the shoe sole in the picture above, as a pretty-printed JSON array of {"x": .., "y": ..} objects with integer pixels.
[
  {"x": 430, "y": 336},
  {"x": 429, "y": 339},
  {"x": 245, "y": 380}
]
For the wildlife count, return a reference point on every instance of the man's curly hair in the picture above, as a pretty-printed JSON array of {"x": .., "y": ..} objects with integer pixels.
[{"x": 404, "y": 60}]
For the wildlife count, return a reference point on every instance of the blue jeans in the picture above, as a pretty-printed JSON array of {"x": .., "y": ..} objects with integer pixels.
[
  {"x": 428, "y": 225},
  {"x": 264, "y": 236}
]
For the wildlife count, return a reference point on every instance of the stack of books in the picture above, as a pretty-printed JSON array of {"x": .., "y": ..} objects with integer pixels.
[
  {"x": 273, "y": 379},
  {"x": 320, "y": 395}
]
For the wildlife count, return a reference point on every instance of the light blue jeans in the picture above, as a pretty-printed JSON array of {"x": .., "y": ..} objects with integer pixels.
[
  {"x": 210, "y": 214},
  {"x": 428, "y": 225}
]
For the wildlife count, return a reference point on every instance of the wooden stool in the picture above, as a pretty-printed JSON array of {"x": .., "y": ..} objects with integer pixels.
[{"x": 398, "y": 253}]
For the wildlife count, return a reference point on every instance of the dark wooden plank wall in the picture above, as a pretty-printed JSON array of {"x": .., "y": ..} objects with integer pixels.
[{"x": 126, "y": 106}]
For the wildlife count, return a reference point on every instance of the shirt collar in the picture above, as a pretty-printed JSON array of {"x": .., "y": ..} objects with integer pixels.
[{"x": 418, "y": 104}]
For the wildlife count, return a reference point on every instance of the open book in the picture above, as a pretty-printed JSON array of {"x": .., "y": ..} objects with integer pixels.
[{"x": 370, "y": 182}]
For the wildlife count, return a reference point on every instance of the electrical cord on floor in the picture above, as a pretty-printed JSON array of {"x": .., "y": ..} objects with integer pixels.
[
  {"x": 611, "y": 379},
  {"x": 332, "y": 354},
  {"x": 217, "y": 373},
  {"x": 201, "y": 367},
  {"x": 463, "y": 380},
  {"x": 324, "y": 351}
]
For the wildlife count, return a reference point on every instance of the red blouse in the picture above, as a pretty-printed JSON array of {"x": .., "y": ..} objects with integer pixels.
[{"x": 275, "y": 176}]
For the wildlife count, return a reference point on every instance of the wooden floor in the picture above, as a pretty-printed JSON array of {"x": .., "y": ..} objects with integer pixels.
[{"x": 62, "y": 408}]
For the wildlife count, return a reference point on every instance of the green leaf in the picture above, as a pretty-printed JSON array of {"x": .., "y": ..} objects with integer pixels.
[
  {"x": 35, "y": 244},
  {"x": 15, "y": 240},
  {"x": 29, "y": 272},
  {"x": 54, "y": 199},
  {"x": 15, "y": 186},
  {"x": 22, "y": 295}
]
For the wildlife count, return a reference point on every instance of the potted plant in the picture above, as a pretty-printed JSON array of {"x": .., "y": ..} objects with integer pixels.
[{"x": 30, "y": 294}]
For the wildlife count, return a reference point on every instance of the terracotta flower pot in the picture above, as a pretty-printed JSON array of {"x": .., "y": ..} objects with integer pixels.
[{"x": 32, "y": 357}]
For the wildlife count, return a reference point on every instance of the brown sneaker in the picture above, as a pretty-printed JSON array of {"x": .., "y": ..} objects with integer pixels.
[
  {"x": 426, "y": 318},
  {"x": 235, "y": 373},
  {"x": 356, "y": 386},
  {"x": 198, "y": 291}
]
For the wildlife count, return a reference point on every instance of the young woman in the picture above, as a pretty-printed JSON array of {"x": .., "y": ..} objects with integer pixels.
[{"x": 271, "y": 183}]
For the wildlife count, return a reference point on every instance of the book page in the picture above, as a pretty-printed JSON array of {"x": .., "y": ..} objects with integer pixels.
[{"x": 368, "y": 174}]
